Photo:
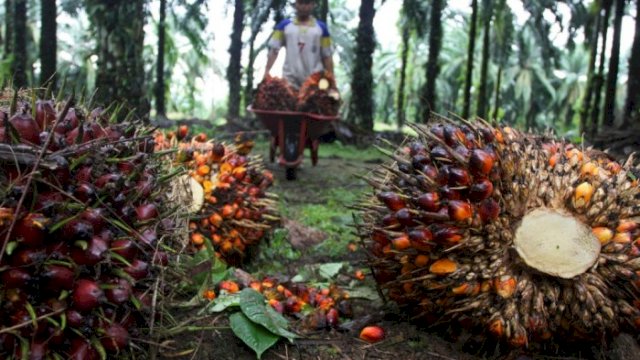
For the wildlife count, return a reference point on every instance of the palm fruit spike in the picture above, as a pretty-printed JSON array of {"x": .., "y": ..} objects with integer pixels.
[
  {"x": 80, "y": 211},
  {"x": 274, "y": 93},
  {"x": 319, "y": 95},
  {"x": 526, "y": 236}
]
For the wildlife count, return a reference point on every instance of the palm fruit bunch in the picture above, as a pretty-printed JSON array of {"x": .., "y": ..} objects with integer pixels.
[
  {"x": 231, "y": 206},
  {"x": 81, "y": 198},
  {"x": 274, "y": 93},
  {"x": 525, "y": 237},
  {"x": 317, "y": 308},
  {"x": 319, "y": 95}
]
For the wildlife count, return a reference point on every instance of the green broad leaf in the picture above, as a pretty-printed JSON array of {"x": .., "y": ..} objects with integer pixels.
[
  {"x": 257, "y": 337},
  {"x": 363, "y": 292},
  {"x": 11, "y": 247},
  {"x": 221, "y": 303},
  {"x": 253, "y": 305},
  {"x": 330, "y": 270}
]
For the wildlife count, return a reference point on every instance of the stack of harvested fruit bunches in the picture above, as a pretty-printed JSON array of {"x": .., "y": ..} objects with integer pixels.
[
  {"x": 81, "y": 200},
  {"x": 317, "y": 308},
  {"x": 274, "y": 93},
  {"x": 236, "y": 211},
  {"x": 525, "y": 237},
  {"x": 319, "y": 95}
]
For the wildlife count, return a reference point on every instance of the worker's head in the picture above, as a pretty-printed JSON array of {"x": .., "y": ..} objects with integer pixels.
[{"x": 304, "y": 8}]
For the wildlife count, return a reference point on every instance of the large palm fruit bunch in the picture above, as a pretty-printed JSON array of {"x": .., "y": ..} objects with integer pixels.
[
  {"x": 525, "y": 237},
  {"x": 231, "y": 206},
  {"x": 319, "y": 95},
  {"x": 274, "y": 93},
  {"x": 81, "y": 199}
]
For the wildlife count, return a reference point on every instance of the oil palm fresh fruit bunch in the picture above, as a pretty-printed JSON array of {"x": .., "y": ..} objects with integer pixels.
[
  {"x": 319, "y": 95},
  {"x": 274, "y": 93},
  {"x": 81, "y": 199},
  {"x": 231, "y": 205},
  {"x": 524, "y": 237}
]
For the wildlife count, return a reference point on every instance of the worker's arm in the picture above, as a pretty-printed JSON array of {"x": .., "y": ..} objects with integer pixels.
[
  {"x": 328, "y": 64},
  {"x": 271, "y": 59}
]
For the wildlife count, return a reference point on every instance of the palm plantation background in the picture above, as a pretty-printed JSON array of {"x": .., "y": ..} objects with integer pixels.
[{"x": 471, "y": 57}]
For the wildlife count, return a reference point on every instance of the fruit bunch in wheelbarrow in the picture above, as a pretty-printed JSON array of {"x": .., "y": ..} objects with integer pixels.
[
  {"x": 319, "y": 95},
  {"x": 275, "y": 93}
]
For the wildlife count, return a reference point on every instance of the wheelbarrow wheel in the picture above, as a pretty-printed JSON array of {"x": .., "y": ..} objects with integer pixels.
[
  {"x": 290, "y": 173},
  {"x": 272, "y": 149}
]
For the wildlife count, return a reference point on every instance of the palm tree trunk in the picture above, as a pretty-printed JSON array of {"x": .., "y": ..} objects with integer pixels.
[
  {"x": 598, "y": 80},
  {"x": 403, "y": 74},
  {"x": 324, "y": 10},
  {"x": 278, "y": 10},
  {"x": 481, "y": 104},
  {"x": 19, "y": 66},
  {"x": 258, "y": 18},
  {"x": 472, "y": 44},
  {"x": 428, "y": 100},
  {"x": 496, "y": 98},
  {"x": 593, "y": 53},
  {"x": 614, "y": 59},
  {"x": 161, "y": 110},
  {"x": 8, "y": 28},
  {"x": 120, "y": 77},
  {"x": 48, "y": 38},
  {"x": 362, "y": 79},
  {"x": 632, "y": 104},
  {"x": 234, "y": 74}
]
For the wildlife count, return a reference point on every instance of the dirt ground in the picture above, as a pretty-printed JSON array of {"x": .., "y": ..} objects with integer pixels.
[{"x": 404, "y": 340}]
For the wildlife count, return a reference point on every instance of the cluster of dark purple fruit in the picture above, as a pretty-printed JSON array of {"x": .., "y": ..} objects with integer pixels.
[{"x": 80, "y": 208}]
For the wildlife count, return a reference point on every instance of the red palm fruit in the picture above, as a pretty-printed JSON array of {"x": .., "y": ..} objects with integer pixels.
[
  {"x": 489, "y": 210},
  {"x": 85, "y": 192},
  {"x": 47, "y": 200},
  {"x": 440, "y": 153},
  {"x": 420, "y": 237},
  {"x": 115, "y": 338},
  {"x": 87, "y": 295},
  {"x": 119, "y": 291},
  {"x": 138, "y": 269},
  {"x": 372, "y": 334},
  {"x": 146, "y": 211},
  {"x": 95, "y": 217},
  {"x": 81, "y": 349},
  {"x": 392, "y": 200},
  {"x": 31, "y": 229},
  {"x": 429, "y": 201},
  {"x": 58, "y": 277},
  {"x": 460, "y": 210},
  {"x": 26, "y": 257},
  {"x": 453, "y": 135},
  {"x": 480, "y": 190},
  {"x": 45, "y": 113},
  {"x": 15, "y": 278},
  {"x": 458, "y": 177},
  {"x": 26, "y": 127},
  {"x": 160, "y": 258},
  {"x": 333, "y": 319},
  {"x": 480, "y": 162},
  {"x": 149, "y": 236},
  {"x": 183, "y": 130},
  {"x": 77, "y": 230},
  {"x": 74, "y": 318},
  {"x": 125, "y": 248},
  {"x": 405, "y": 217}
]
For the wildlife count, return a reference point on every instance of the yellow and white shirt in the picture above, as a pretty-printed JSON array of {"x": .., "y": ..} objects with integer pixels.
[{"x": 306, "y": 44}]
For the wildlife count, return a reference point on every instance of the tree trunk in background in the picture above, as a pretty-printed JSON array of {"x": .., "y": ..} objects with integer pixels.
[
  {"x": 119, "y": 34},
  {"x": 48, "y": 41},
  {"x": 481, "y": 104},
  {"x": 472, "y": 44},
  {"x": 609, "y": 111},
  {"x": 258, "y": 18},
  {"x": 428, "y": 99},
  {"x": 8, "y": 28},
  {"x": 599, "y": 78},
  {"x": 278, "y": 10},
  {"x": 403, "y": 73},
  {"x": 161, "y": 110},
  {"x": 496, "y": 98},
  {"x": 361, "y": 112},
  {"x": 19, "y": 65},
  {"x": 632, "y": 103},
  {"x": 593, "y": 53},
  {"x": 324, "y": 10},
  {"x": 234, "y": 69}
]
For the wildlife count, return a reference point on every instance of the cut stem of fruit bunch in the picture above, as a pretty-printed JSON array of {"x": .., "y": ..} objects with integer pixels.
[
  {"x": 526, "y": 236},
  {"x": 80, "y": 222}
]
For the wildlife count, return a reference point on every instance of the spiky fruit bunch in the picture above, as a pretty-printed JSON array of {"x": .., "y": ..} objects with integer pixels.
[
  {"x": 274, "y": 93},
  {"x": 231, "y": 205},
  {"x": 524, "y": 237},
  {"x": 80, "y": 203},
  {"x": 319, "y": 95}
]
